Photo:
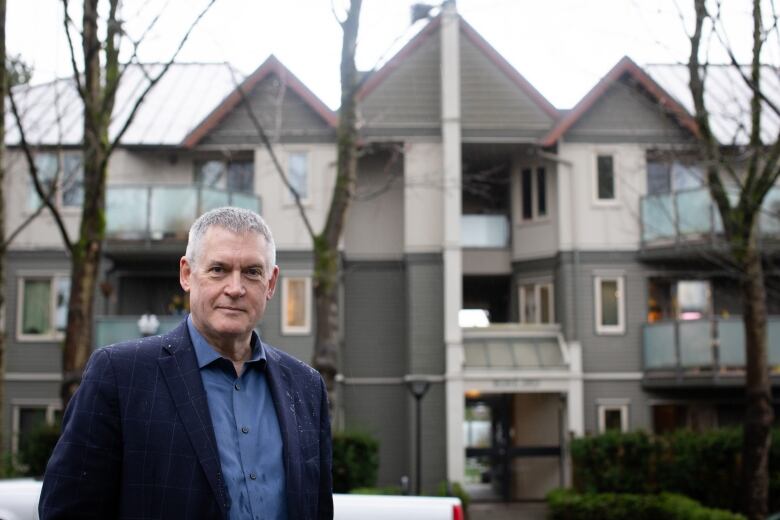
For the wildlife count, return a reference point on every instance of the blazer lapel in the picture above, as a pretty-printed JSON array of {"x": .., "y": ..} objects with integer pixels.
[
  {"x": 282, "y": 391},
  {"x": 182, "y": 375}
]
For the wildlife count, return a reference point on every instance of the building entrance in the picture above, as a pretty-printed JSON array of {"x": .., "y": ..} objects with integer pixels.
[{"x": 513, "y": 445}]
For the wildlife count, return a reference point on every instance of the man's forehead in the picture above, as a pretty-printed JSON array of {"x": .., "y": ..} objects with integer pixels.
[{"x": 219, "y": 241}]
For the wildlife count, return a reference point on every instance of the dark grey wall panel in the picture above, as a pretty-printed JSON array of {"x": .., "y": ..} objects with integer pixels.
[
  {"x": 16, "y": 391},
  {"x": 425, "y": 313},
  {"x": 638, "y": 412},
  {"x": 374, "y": 319}
]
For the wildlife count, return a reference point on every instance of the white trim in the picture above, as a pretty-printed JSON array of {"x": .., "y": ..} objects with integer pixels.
[
  {"x": 613, "y": 376},
  {"x": 620, "y": 328},
  {"x": 297, "y": 330},
  {"x": 33, "y": 376},
  {"x": 602, "y": 408}
]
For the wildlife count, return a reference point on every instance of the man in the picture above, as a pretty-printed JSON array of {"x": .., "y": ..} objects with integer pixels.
[{"x": 206, "y": 421}]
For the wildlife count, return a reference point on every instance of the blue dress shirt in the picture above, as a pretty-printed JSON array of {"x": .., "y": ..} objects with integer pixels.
[{"x": 249, "y": 440}]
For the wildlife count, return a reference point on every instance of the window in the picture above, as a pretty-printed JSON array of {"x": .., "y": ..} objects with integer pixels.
[
  {"x": 63, "y": 172},
  {"x": 298, "y": 174},
  {"x": 605, "y": 181},
  {"x": 43, "y": 307},
  {"x": 609, "y": 305},
  {"x": 613, "y": 416},
  {"x": 236, "y": 176},
  {"x": 668, "y": 176},
  {"x": 27, "y": 416},
  {"x": 296, "y": 305},
  {"x": 678, "y": 299},
  {"x": 533, "y": 195},
  {"x": 536, "y": 303}
]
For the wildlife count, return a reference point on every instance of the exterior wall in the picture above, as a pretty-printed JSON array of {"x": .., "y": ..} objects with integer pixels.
[
  {"x": 605, "y": 391},
  {"x": 538, "y": 237},
  {"x": 491, "y": 103},
  {"x": 625, "y": 114},
  {"x": 423, "y": 200},
  {"x": 284, "y": 115},
  {"x": 129, "y": 167},
  {"x": 408, "y": 101},
  {"x": 375, "y": 222},
  {"x": 25, "y": 393},
  {"x": 600, "y": 225},
  {"x": 279, "y": 210}
]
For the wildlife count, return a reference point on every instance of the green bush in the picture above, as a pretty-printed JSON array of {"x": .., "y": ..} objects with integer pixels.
[
  {"x": 387, "y": 490},
  {"x": 454, "y": 489},
  {"x": 36, "y": 448},
  {"x": 704, "y": 466},
  {"x": 355, "y": 461},
  {"x": 569, "y": 505}
]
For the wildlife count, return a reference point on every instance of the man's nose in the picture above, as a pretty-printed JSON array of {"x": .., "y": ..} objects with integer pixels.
[{"x": 235, "y": 286}]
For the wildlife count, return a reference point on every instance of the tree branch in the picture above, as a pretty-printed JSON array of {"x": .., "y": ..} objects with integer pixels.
[{"x": 68, "y": 22}]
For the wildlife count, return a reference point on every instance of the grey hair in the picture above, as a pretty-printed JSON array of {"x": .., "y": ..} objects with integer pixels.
[{"x": 236, "y": 220}]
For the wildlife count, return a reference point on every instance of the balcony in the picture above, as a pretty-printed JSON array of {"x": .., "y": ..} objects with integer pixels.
[
  {"x": 164, "y": 212},
  {"x": 702, "y": 349},
  {"x": 113, "y": 329},
  {"x": 484, "y": 231},
  {"x": 691, "y": 216}
]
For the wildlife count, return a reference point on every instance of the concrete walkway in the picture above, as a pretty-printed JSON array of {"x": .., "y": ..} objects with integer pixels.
[{"x": 508, "y": 511}]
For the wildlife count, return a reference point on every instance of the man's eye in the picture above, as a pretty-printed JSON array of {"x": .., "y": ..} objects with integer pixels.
[
  {"x": 216, "y": 269},
  {"x": 254, "y": 272}
]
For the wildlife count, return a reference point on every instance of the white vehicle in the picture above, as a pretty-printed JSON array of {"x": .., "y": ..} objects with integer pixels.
[{"x": 19, "y": 501}]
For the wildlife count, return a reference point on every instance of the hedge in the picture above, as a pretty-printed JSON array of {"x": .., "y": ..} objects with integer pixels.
[
  {"x": 704, "y": 466},
  {"x": 355, "y": 461},
  {"x": 568, "y": 505}
]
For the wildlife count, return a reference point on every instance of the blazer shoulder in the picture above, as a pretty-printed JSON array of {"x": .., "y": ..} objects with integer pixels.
[{"x": 275, "y": 355}]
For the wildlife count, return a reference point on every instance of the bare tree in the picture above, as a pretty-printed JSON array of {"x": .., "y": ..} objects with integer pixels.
[{"x": 740, "y": 222}]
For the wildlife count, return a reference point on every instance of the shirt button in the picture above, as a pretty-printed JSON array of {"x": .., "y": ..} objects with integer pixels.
[
  {"x": 238, "y": 386},
  {"x": 245, "y": 429},
  {"x": 253, "y": 476}
]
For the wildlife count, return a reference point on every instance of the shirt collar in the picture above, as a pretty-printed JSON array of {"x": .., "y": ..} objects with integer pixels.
[{"x": 206, "y": 354}]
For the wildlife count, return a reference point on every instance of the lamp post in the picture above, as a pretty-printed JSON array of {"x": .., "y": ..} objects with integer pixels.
[{"x": 418, "y": 386}]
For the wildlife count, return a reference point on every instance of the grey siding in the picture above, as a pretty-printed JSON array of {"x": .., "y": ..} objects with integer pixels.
[
  {"x": 285, "y": 117},
  {"x": 602, "y": 353},
  {"x": 291, "y": 263},
  {"x": 639, "y": 417},
  {"x": 492, "y": 101},
  {"x": 425, "y": 313},
  {"x": 434, "y": 438},
  {"x": 374, "y": 320},
  {"x": 626, "y": 114},
  {"x": 409, "y": 97},
  {"x": 375, "y": 227},
  {"x": 18, "y": 392}
]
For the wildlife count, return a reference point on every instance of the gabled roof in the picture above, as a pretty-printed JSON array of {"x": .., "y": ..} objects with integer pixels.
[
  {"x": 624, "y": 67},
  {"x": 52, "y": 112},
  {"x": 376, "y": 79},
  {"x": 270, "y": 66}
]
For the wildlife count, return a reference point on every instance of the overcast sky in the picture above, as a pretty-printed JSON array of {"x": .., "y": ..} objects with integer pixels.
[{"x": 563, "y": 47}]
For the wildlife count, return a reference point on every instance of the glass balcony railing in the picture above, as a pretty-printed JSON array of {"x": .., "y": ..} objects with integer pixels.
[
  {"x": 703, "y": 344},
  {"x": 692, "y": 213},
  {"x": 113, "y": 329},
  {"x": 488, "y": 231},
  {"x": 160, "y": 212}
]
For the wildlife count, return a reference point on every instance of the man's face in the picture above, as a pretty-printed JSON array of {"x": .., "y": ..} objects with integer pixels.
[{"x": 229, "y": 284}]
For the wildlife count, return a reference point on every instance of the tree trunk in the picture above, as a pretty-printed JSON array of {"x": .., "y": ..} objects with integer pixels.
[
  {"x": 326, "y": 297},
  {"x": 759, "y": 413}
]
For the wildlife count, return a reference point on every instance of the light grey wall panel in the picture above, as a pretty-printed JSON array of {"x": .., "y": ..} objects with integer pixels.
[
  {"x": 374, "y": 320},
  {"x": 626, "y": 114},
  {"x": 285, "y": 116},
  {"x": 638, "y": 410},
  {"x": 425, "y": 313}
]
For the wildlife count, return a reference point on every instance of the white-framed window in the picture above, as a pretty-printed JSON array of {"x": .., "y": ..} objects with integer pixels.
[
  {"x": 227, "y": 175},
  {"x": 533, "y": 194},
  {"x": 667, "y": 176},
  {"x": 298, "y": 174},
  {"x": 296, "y": 305},
  {"x": 610, "y": 305},
  {"x": 30, "y": 414},
  {"x": 63, "y": 171},
  {"x": 42, "y": 307},
  {"x": 605, "y": 185},
  {"x": 536, "y": 303},
  {"x": 612, "y": 415}
]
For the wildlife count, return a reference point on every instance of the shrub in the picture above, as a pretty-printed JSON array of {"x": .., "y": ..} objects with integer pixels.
[
  {"x": 355, "y": 461},
  {"x": 454, "y": 489},
  {"x": 616, "y": 462},
  {"x": 387, "y": 490},
  {"x": 36, "y": 448},
  {"x": 569, "y": 505}
]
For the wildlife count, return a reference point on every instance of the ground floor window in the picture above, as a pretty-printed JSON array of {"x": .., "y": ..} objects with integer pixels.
[
  {"x": 27, "y": 416},
  {"x": 612, "y": 416},
  {"x": 296, "y": 305}
]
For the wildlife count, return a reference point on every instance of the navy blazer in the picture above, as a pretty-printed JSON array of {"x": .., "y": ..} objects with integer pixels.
[{"x": 137, "y": 439}]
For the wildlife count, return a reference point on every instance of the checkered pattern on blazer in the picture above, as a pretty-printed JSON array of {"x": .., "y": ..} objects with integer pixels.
[{"x": 138, "y": 442}]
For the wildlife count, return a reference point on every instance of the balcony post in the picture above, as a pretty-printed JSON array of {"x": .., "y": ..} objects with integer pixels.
[
  {"x": 148, "y": 215},
  {"x": 715, "y": 338},
  {"x": 677, "y": 353}
]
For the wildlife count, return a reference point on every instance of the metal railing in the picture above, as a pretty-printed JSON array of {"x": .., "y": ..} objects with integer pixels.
[
  {"x": 488, "y": 231},
  {"x": 113, "y": 329},
  {"x": 158, "y": 212}
]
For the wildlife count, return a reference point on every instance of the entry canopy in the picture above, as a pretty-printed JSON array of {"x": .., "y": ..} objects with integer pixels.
[{"x": 515, "y": 349}]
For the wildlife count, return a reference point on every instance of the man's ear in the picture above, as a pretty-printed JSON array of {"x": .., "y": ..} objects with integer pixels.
[
  {"x": 272, "y": 283},
  {"x": 185, "y": 271}
]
